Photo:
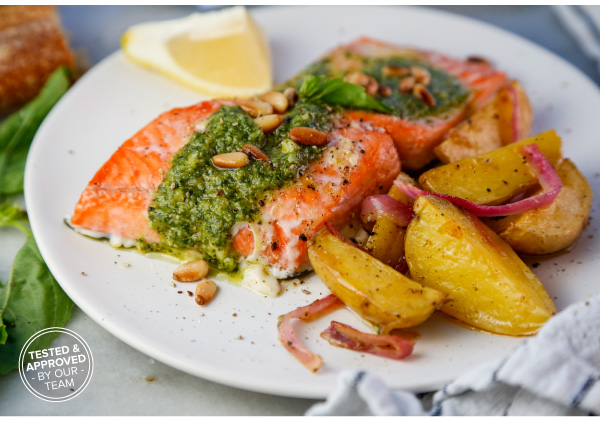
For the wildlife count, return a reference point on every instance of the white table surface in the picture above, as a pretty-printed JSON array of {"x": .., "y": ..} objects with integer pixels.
[{"x": 127, "y": 382}]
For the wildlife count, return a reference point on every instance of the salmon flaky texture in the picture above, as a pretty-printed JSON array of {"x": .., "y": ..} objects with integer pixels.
[{"x": 364, "y": 153}]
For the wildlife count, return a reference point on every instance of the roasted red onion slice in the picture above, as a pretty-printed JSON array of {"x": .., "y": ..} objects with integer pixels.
[
  {"x": 515, "y": 121},
  {"x": 373, "y": 207},
  {"x": 288, "y": 337},
  {"x": 387, "y": 346},
  {"x": 549, "y": 180}
]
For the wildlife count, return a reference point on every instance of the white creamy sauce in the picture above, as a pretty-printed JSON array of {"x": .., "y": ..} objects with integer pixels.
[
  {"x": 257, "y": 280},
  {"x": 113, "y": 239}
]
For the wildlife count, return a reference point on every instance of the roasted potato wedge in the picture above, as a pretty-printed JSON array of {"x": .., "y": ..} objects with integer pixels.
[
  {"x": 494, "y": 177},
  {"x": 555, "y": 227},
  {"x": 375, "y": 291},
  {"x": 489, "y": 128},
  {"x": 386, "y": 242},
  {"x": 489, "y": 286}
]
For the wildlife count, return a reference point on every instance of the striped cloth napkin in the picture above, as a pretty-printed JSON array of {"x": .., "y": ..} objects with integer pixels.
[
  {"x": 583, "y": 24},
  {"x": 556, "y": 372}
]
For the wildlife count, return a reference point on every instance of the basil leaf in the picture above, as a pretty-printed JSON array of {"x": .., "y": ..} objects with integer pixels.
[
  {"x": 31, "y": 301},
  {"x": 339, "y": 92},
  {"x": 18, "y": 130}
]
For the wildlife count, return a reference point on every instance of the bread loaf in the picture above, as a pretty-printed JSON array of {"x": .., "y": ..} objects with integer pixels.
[{"x": 32, "y": 45}]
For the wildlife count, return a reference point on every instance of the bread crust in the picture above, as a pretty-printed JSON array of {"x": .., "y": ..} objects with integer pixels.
[{"x": 32, "y": 45}]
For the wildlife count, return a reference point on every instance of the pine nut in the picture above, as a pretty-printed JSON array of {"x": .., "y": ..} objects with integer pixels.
[
  {"x": 278, "y": 101},
  {"x": 395, "y": 71},
  {"x": 231, "y": 160},
  {"x": 257, "y": 108},
  {"x": 308, "y": 136},
  {"x": 385, "y": 90},
  {"x": 191, "y": 271},
  {"x": 424, "y": 95},
  {"x": 421, "y": 74},
  {"x": 357, "y": 78},
  {"x": 407, "y": 84},
  {"x": 255, "y": 152},
  {"x": 291, "y": 95},
  {"x": 478, "y": 60},
  {"x": 372, "y": 87},
  {"x": 268, "y": 123},
  {"x": 205, "y": 291}
]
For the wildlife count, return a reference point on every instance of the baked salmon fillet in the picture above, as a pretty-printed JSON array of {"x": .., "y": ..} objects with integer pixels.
[
  {"x": 458, "y": 88},
  {"x": 119, "y": 201}
]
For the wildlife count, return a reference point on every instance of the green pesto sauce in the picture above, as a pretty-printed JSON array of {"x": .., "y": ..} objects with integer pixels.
[
  {"x": 447, "y": 90},
  {"x": 198, "y": 203}
]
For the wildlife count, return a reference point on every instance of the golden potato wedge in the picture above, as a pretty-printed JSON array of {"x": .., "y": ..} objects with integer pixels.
[
  {"x": 489, "y": 128},
  {"x": 386, "y": 241},
  {"x": 555, "y": 227},
  {"x": 375, "y": 291},
  {"x": 494, "y": 177},
  {"x": 489, "y": 286}
]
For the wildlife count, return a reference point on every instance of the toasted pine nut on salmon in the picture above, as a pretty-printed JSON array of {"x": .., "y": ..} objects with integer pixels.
[
  {"x": 416, "y": 139},
  {"x": 231, "y": 160},
  {"x": 278, "y": 101}
]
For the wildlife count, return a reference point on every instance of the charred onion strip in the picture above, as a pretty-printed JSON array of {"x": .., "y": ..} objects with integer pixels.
[
  {"x": 388, "y": 346},
  {"x": 515, "y": 121},
  {"x": 288, "y": 337},
  {"x": 374, "y": 207},
  {"x": 547, "y": 177}
]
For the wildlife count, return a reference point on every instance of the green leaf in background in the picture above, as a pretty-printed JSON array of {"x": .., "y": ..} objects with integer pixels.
[
  {"x": 338, "y": 91},
  {"x": 18, "y": 130},
  {"x": 3, "y": 334},
  {"x": 30, "y": 301},
  {"x": 13, "y": 216}
]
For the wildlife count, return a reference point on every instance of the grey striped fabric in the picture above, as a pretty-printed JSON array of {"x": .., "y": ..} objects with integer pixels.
[{"x": 557, "y": 372}]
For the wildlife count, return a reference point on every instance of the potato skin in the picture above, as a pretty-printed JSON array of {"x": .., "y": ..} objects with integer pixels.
[
  {"x": 375, "y": 291},
  {"x": 489, "y": 128},
  {"x": 386, "y": 242},
  {"x": 494, "y": 177},
  {"x": 555, "y": 227},
  {"x": 489, "y": 286}
]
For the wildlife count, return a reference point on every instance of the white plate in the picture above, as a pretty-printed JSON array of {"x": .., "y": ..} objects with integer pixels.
[{"x": 234, "y": 340}]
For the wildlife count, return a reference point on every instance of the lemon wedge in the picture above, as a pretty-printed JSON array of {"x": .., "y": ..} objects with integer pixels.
[{"x": 222, "y": 53}]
